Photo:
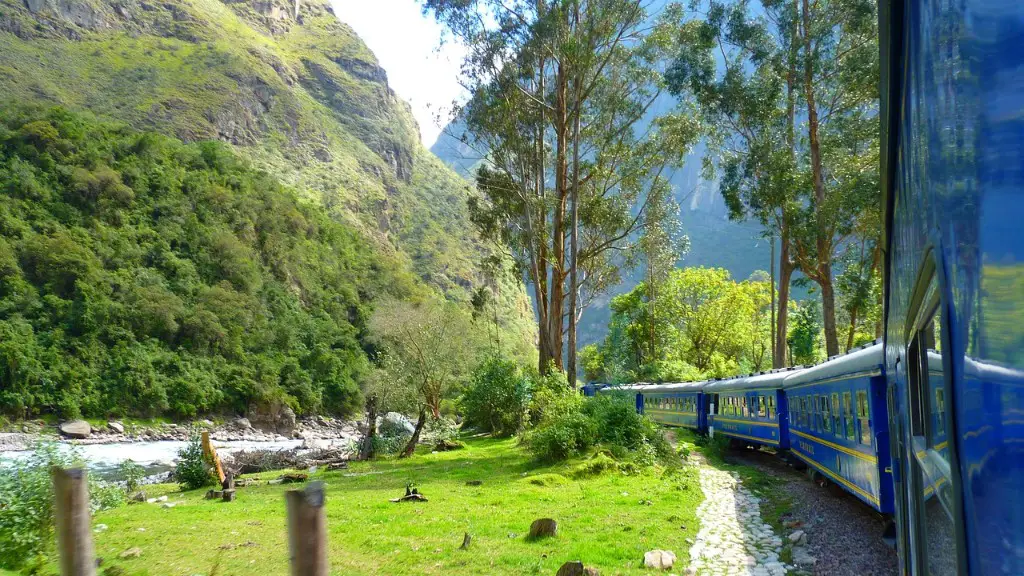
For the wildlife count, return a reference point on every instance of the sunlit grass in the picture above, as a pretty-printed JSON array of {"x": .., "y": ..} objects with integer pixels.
[{"x": 607, "y": 521}]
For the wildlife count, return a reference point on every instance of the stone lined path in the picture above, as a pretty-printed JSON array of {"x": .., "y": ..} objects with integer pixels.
[{"x": 733, "y": 541}]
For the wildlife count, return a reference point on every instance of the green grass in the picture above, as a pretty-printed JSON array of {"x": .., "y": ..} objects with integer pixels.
[{"x": 607, "y": 521}]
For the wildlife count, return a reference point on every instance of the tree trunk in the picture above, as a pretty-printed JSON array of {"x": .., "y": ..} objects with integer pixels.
[
  {"x": 556, "y": 302},
  {"x": 828, "y": 309},
  {"x": 574, "y": 231},
  {"x": 853, "y": 329},
  {"x": 771, "y": 264},
  {"x": 823, "y": 240},
  {"x": 367, "y": 452},
  {"x": 411, "y": 446},
  {"x": 786, "y": 267}
]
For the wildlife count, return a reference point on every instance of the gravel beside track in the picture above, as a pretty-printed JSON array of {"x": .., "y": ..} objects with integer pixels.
[{"x": 844, "y": 535}]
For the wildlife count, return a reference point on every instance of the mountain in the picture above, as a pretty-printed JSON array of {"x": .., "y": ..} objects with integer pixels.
[{"x": 290, "y": 91}]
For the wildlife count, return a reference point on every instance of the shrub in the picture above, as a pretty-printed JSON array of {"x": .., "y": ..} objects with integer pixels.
[
  {"x": 441, "y": 430},
  {"x": 194, "y": 469},
  {"x": 498, "y": 397},
  {"x": 608, "y": 421},
  {"x": 552, "y": 397},
  {"x": 563, "y": 437},
  {"x": 131, "y": 474},
  {"x": 26, "y": 505},
  {"x": 595, "y": 466}
]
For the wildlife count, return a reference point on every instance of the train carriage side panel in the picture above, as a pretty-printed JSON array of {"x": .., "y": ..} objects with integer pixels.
[
  {"x": 747, "y": 409},
  {"x": 837, "y": 424}
]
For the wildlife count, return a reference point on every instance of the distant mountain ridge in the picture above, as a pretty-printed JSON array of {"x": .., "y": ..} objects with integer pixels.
[{"x": 287, "y": 84}]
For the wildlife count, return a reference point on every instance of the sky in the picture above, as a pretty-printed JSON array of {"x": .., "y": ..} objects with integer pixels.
[{"x": 408, "y": 46}]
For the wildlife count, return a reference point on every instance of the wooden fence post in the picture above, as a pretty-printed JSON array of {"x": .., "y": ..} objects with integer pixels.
[
  {"x": 307, "y": 530},
  {"x": 74, "y": 534}
]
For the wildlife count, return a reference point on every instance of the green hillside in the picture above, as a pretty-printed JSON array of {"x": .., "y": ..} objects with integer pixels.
[{"x": 296, "y": 95}]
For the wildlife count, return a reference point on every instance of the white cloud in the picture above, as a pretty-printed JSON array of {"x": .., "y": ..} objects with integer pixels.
[{"x": 408, "y": 45}]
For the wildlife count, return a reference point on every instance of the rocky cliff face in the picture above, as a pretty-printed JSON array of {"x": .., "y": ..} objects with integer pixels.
[{"x": 284, "y": 81}]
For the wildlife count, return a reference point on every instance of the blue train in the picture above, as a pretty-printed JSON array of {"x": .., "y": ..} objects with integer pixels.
[{"x": 929, "y": 425}]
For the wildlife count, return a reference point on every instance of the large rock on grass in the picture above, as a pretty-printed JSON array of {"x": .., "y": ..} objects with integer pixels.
[
  {"x": 659, "y": 559},
  {"x": 542, "y": 528},
  {"x": 116, "y": 427},
  {"x": 576, "y": 568},
  {"x": 75, "y": 429}
]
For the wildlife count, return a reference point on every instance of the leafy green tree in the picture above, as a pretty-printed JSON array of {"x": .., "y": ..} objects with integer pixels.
[
  {"x": 435, "y": 343},
  {"x": 805, "y": 333},
  {"x": 557, "y": 90}
]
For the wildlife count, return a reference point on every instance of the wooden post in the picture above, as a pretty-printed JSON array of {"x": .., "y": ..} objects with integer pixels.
[
  {"x": 211, "y": 453},
  {"x": 307, "y": 530},
  {"x": 74, "y": 534}
]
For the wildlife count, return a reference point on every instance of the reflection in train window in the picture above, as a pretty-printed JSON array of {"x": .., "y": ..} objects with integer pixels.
[
  {"x": 837, "y": 420},
  {"x": 826, "y": 414},
  {"x": 929, "y": 447},
  {"x": 848, "y": 415},
  {"x": 863, "y": 416}
]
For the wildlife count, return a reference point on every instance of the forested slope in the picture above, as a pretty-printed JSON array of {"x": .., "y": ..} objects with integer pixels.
[
  {"x": 140, "y": 275},
  {"x": 287, "y": 89}
]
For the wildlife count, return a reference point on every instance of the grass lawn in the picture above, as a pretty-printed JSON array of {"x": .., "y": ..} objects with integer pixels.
[{"x": 607, "y": 521}]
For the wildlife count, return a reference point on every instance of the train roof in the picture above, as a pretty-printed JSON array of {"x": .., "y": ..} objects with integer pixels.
[
  {"x": 769, "y": 379},
  {"x": 676, "y": 387},
  {"x": 867, "y": 358}
]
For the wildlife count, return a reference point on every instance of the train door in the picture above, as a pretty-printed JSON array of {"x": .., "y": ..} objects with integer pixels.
[
  {"x": 639, "y": 403},
  {"x": 898, "y": 450}
]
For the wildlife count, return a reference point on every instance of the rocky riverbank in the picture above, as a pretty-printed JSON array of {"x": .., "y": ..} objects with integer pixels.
[{"x": 317, "y": 432}]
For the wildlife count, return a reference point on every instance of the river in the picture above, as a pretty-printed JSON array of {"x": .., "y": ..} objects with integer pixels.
[{"x": 155, "y": 457}]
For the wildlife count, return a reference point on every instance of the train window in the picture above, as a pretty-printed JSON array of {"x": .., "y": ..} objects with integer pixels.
[
  {"x": 837, "y": 418},
  {"x": 826, "y": 415},
  {"x": 746, "y": 408},
  {"x": 851, "y": 433},
  {"x": 771, "y": 407},
  {"x": 762, "y": 409},
  {"x": 863, "y": 417},
  {"x": 933, "y": 472}
]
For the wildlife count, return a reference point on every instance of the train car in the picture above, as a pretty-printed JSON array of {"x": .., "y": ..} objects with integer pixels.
[
  {"x": 750, "y": 409},
  {"x": 952, "y": 150},
  {"x": 590, "y": 388},
  {"x": 838, "y": 423},
  {"x": 630, "y": 391},
  {"x": 677, "y": 404}
]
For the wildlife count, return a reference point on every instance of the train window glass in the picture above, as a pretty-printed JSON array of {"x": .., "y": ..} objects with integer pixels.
[
  {"x": 771, "y": 407},
  {"x": 804, "y": 417},
  {"x": 746, "y": 409},
  {"x": 863, "y": 416},
  {"x": 930, "y": 454},
  {"x": 851, "y": 433},
  {"x": 762, "y": 409},
  {"x": 837, "y": 418},
  {"x": 826, "y": 414}
]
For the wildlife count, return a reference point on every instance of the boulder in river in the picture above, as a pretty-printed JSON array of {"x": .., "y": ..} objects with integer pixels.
[{"x": 75, "y": 429}]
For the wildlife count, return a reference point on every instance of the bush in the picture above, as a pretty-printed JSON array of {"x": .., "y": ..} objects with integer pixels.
[
  {"x": 498, "y": 397},
  {"x": 552, "y": 397},
  {"x": 608, "y": 421},
  {"x": 563, "y": 437},
  {"x": 194, "y": 469},
  {"x": 441, "y": 430},
  {"x": 26, "y": 505},
  {"x": 131, "y": 474}
]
